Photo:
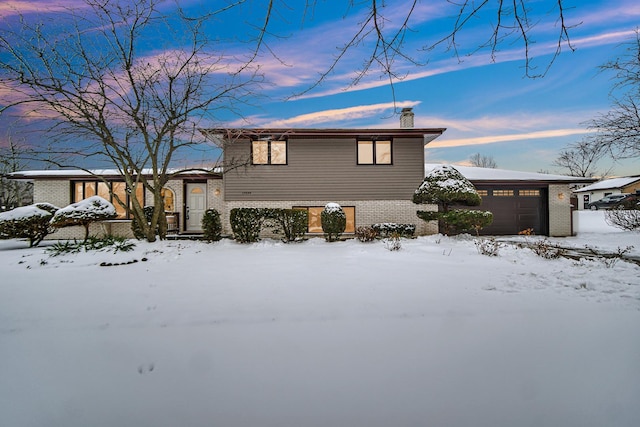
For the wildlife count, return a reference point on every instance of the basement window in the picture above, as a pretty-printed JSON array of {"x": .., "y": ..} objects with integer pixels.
[{"x": 315, "y": 224}]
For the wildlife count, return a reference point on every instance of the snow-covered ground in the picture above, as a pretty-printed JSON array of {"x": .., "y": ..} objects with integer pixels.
[{"x": 319, "y": 334}]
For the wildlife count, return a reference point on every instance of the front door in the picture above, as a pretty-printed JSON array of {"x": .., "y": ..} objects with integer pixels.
[{"x": 196, "y": 205}]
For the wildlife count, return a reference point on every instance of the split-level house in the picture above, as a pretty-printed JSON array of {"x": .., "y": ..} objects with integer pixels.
[{"x": 371, "y": 173}]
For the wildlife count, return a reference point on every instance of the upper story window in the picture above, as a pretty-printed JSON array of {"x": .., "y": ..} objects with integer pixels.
[
  {"x": 269, "y": 152},
  {"x": 374, "y": 152}
]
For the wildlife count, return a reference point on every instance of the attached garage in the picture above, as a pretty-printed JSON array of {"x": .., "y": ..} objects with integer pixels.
[
  {"x": 515, "y": 209},
  {"x": 523, "y": 200}
]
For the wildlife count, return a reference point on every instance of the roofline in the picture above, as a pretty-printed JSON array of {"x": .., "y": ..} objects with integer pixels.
[
  {"x": 428, "y": 134},
  {"x": 528, "y": 182},
  {"x": 586, "y": 189},
  {"x": 104, "y": 174}
]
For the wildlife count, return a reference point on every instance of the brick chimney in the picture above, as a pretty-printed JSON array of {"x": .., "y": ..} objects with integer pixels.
[{"x": 406, "y": 118}]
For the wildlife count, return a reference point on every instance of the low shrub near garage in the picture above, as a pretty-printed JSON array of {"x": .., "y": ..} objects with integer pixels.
[
  {"x": 460, "y": 220},
  {"x": 386, "y": 229},
  {"x": 624, "y": 216}
]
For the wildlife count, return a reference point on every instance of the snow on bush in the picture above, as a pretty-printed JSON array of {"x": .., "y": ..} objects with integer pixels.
[
  {"x": 445, "y": 187},
  {"x": 28, "y": 222},
  {"x": 334, "y": 221},
  {"x": 84, "y": 213},
  {"x": 385, "y": 229}
]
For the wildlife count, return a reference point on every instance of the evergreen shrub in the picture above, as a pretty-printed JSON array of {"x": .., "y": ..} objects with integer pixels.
[
  {"x": 459, "y": 220},
  {"x": 334, "y": 221},
  {"x": 246, "y": 224},
  {"x": 386, "y": 229},
  {"x": 212, "y": 225},
  {"x": 28, "y": 222}
]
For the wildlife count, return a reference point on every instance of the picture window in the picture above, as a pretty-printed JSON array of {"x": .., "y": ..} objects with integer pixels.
[{"x": 111, "y": 191}]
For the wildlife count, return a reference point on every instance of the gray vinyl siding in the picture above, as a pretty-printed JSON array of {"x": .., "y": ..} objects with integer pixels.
[{"x": 326, "y": 168}]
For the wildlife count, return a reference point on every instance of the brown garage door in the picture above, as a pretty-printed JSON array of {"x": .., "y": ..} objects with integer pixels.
[{"x": 515, "y": 209}]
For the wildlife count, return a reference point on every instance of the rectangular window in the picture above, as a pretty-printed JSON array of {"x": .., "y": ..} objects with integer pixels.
[
  {"x": 84, "y": 189},
  {"x": 483, "y": 193},
  {"x": 315, "y": 221},
  {"x": 269, "y": 152},
  {"x": 503, "y": 193},
  {"x": 374, "y": 152},
  {"x": 529, "y": 193}
]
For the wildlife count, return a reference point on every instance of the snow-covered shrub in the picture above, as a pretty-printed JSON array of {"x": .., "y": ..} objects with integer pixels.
[
  {"x": 625, "y": 217},
  {"x": 393, "y": 242},
  {"x": 28, "y": 222},
  {"x": 84, "y": 213},
  {"x": 366, "y": 234},
  {"x": 385, "y": 229},
  {"x": 246, "y": 224},
  {"x": 290, "y": 223},
  {"x": 459, "y": 220},
  {"x": 488, "y": 247},
  {"x": 445, "y": 187},
  {"x": 211, "y": 225},
  {"x": 334, "y": 221}
]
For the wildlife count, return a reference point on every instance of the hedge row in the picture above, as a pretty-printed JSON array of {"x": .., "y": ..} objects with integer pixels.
[{"x": 247, "y": 223}]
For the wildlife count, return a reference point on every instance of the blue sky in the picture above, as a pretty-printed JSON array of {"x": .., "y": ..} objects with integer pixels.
[{"x": 487, "y": 104}]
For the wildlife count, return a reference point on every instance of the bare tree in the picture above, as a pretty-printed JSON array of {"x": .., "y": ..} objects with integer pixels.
[
  {"x": 13, "y": 193},
  {"x": 386, "y": 38},
  {"x": 618, "y": 130},
  {"x": 481, "y": 161},
  {"x": 581, "y": 159},
  {"x": 108, "y": 101}
]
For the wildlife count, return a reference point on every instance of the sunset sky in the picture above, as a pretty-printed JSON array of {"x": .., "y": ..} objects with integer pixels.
[{"x": 488, "y": 105}]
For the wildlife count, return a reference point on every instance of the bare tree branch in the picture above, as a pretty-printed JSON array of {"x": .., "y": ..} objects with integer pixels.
[{"x": 618, "y": 130}]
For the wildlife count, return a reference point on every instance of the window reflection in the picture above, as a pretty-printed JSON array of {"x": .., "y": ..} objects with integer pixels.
[{"x": 111, "y": 191}]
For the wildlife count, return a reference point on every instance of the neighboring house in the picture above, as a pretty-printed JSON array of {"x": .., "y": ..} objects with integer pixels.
[
  {"x": 524, "y": 200},
  {"x": 597, "y": 191},
  {"x": 371, "y": 173}
]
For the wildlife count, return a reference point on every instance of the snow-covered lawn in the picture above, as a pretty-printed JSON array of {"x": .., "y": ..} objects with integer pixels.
[{"x": 319, "y": 334}]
